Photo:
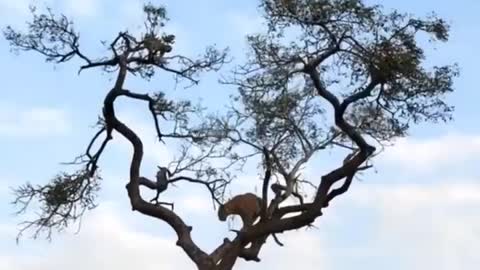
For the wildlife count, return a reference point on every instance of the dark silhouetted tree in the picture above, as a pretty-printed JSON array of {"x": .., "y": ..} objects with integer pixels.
[{"x": 327, "y": 74}]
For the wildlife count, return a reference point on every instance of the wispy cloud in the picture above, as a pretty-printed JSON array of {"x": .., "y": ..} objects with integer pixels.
[
  {"x": 415, "y": 195},
  {"x": 110, "y": 242},
  {"x": 302, "y": 250},
  {"x": 17, "y": 121},
  {"x": 83, "y": 8},
  {"x": 428, "y": 154},
  {"x": 197, "y": 205},
  {"x": 416, "y": 226}
]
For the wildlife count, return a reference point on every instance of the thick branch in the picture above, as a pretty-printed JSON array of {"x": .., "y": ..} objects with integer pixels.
[
  {"x": 111, "y": 62},
  {"x": 151, "y": 107},
  {"x": 357, "y": 96},
  {"x": 339, "y": 111},
  {"x": 183, "y": 231}
]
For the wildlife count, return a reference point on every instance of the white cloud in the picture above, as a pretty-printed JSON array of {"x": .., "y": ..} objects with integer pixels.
[
  {"x": 414, "y": 195},
  {"x": 83, "y": 8},
  {"x": 196, "y": 204},
  {"x": 4, "y": 190},
  {"x": 433, "y": 153},
  {"x": 302, "y": 250},
  {"x": 7, "y": 229},
  {"x": 110, "y": 241},
  {"x": 106, "y": 241},
  {"x": 246, "y": 183},
  {"x": 32, "y": 122},
  {"x": 421, "y": 226}
]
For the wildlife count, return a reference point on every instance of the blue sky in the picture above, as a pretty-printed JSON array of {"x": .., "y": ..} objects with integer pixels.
[{"x": 412, "y": 214}]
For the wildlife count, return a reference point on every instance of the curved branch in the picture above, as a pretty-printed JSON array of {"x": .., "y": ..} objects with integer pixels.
[
  {"x": 183, "y": 231},
  {"x": 151, "y": 107},
  {"x": 339, "y": 110},
  {"x": 111, "y": 62}
]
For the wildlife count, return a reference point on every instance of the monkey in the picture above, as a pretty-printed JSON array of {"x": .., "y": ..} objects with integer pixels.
[
  {"x": 277, "y": 189},
  {"x": 248, "y": 206},
  {"x": 162, "y": 177}
]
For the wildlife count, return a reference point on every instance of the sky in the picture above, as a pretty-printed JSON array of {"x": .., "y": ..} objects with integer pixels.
[{"x": 418, "y": 211}]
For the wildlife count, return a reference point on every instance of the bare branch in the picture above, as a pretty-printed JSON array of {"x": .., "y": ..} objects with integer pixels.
[{"x": 215, "y": 187}]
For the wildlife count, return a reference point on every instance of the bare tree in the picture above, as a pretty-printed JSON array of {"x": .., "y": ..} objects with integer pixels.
[{"x": 334, "y": 74}]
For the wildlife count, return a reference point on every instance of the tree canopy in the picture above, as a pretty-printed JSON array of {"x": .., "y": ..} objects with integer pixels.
[{"x": 326, "y": 74}]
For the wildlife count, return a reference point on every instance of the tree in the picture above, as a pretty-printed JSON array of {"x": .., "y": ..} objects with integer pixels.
[{"x": 327, "y": 74}]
